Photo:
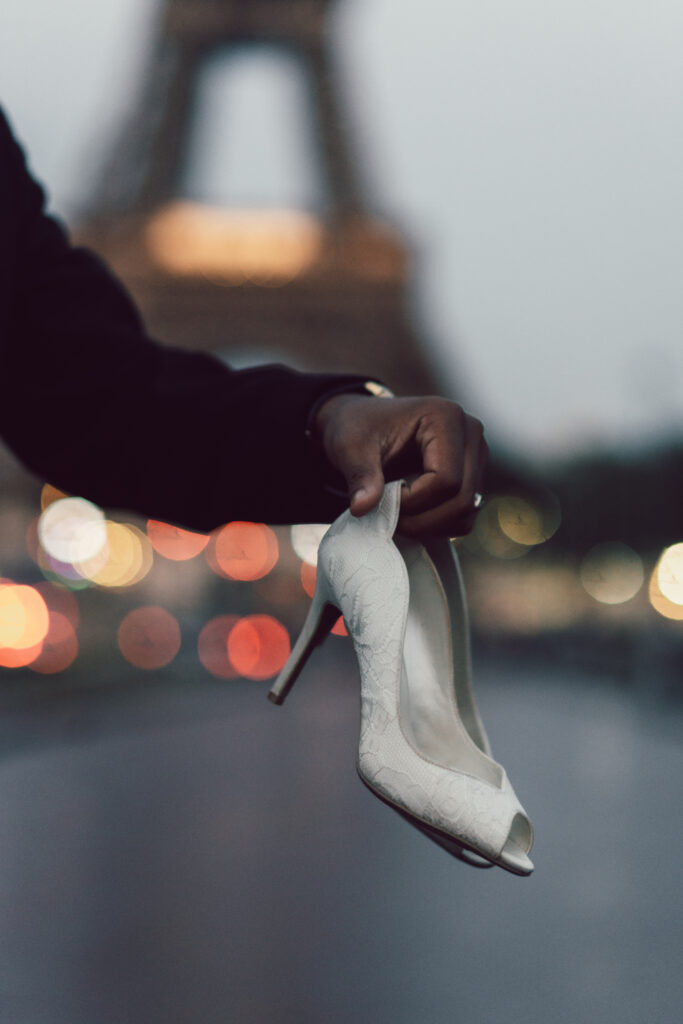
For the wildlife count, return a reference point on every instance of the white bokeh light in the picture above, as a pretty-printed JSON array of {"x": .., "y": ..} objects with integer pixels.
[{"x": 72, "y": 530}]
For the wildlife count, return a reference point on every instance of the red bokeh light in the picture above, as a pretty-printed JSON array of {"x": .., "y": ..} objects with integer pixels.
[
  {"x": 243, "y": 551},
  {"x": 258, "y": 646},
  {"x": 60, "y": 647},
  {"x": 175, "y": 543},
  {"x": 212, "y": 646},
  {"x": 149, "y": 637}
]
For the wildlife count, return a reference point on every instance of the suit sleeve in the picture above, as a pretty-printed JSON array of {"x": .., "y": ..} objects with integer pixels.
[{"x": 96, "y": 407}]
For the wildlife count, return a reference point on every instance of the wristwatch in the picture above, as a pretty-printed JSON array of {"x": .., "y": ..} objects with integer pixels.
[{"x": 368, "y": 387}]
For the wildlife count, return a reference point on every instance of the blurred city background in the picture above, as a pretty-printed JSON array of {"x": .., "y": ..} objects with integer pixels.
[{"x": 474, "y": 199}]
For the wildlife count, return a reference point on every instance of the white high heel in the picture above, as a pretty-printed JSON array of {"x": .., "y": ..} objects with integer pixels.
[{"x": 422, "y": 749}]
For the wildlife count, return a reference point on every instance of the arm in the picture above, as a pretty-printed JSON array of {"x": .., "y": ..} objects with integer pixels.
[{"x": 92, "y": 404}]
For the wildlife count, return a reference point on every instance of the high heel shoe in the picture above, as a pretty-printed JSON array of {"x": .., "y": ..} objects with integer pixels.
[{"x": 422, "y": 749}]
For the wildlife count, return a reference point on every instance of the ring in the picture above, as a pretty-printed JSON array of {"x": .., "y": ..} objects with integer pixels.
[{"x": 478, "y": 500}]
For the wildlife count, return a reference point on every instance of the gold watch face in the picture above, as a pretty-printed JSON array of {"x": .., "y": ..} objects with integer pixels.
[{"x": 378, "y": 390}]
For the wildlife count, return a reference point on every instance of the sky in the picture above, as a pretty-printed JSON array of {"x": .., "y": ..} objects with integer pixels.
[{"x": 531, "y": 152}]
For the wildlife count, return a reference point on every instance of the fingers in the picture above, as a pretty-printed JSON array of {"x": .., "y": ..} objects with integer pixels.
[
  {"x": 431, "y": 441},
  {"x": 441, "y": 501}
]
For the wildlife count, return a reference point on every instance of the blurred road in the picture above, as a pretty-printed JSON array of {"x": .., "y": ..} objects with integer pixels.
[{"x": 194, "y": 855}]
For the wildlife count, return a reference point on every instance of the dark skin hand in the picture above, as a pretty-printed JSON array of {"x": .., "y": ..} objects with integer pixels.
[{"x": 431, "y": 442}]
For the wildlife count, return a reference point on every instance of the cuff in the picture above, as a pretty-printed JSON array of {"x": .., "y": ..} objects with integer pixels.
[{"x": 335, "y": 483}]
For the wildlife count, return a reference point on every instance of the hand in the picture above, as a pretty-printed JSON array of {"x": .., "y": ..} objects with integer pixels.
[{"x": 430, "y": 441}]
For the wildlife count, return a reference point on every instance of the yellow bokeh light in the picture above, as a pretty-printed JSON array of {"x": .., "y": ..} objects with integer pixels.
[
  {"x": 528, "y": 520},
  {"x": 670, "y": 574},
  {"x": 612, "y": 573},
  {"x": 489, "y": 535},
  {"x": 667, "y": 571},
  {"x": 520, "y": 521},
  {"x": 124, "y": 560}
]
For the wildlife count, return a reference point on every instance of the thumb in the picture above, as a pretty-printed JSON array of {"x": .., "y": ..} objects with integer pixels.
[{"x": 365, "y": 481}]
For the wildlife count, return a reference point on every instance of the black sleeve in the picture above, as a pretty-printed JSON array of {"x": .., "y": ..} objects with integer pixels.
[{"x": 93, "y": 405}]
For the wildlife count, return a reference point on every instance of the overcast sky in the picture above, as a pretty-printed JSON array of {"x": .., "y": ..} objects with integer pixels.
[{"x": 533, "y": 151}]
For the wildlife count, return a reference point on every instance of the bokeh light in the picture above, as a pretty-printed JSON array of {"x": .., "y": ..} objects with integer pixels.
[
  {"x": 14, "y": 657},
  {"x": 258, "y": 646},
  {"x": 670, "y": 574},
  {"x": 49, "y": 494},
  {"x": 125, "y": 559},
  {"x": 489, "y": 536},
  {"x": 305, "y": 539},
  {"x": 212, "y": 646},
  {"x": 612, "y": 573},
  {"x": 72, "y": 530},
  {"x": 24, "y": 617},
  {"x": 149, "y": 637},
  {"x": 61, "y": 573},
  {"x": 243, "y": 551},
  {"x": 175, "y": 543},
  {"x": 509, "y": 525},
  {"x": 60, "y": 646},
  {"x": 666, "y": 584}
]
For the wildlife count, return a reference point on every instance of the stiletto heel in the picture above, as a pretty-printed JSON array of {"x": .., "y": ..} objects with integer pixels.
[
  {"x": 422, "y": 749},
  {"x": 320, "y": 619}
]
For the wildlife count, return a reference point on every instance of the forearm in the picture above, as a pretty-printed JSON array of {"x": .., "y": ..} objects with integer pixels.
[{"x": 99, "y": 409}]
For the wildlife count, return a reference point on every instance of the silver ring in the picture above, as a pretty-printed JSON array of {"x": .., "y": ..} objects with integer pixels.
[{"x": 478, "y": 500}]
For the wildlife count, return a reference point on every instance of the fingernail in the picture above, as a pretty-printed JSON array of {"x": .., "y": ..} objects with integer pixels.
[{"x": 359, "y": 494}]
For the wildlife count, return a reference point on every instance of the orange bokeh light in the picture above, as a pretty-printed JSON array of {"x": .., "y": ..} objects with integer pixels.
[
  {"x": 212, "y": 646},
  {"x": 175, "y": 543},
  {"x": 258, "y": 646},
  {"x": 308, "y": 575},
  {"x": 60, "y": 647},
  {"x": 149, "y": 637},
  {"x": 23, "y": 617},
  {"x": 13, "y": 657},
  {"x": 243, "y": 551},
  {"x": 49, "y": 494}
]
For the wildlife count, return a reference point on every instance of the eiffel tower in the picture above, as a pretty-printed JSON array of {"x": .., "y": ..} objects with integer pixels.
[{"x": 324, "y": 293}]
